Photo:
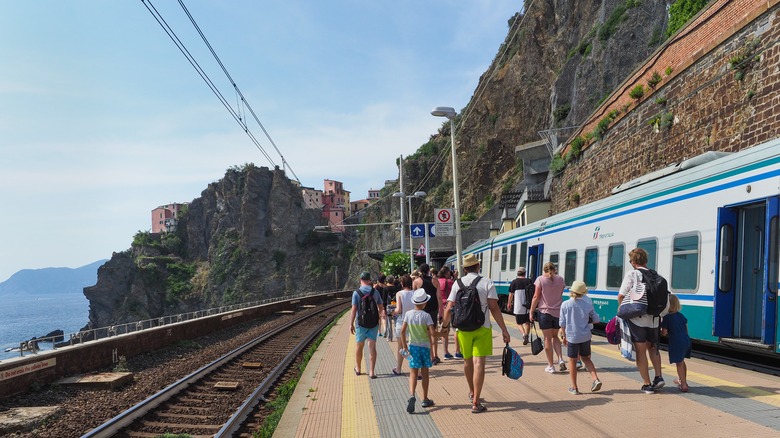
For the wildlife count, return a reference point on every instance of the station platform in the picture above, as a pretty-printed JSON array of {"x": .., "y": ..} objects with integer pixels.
[{"x": 331, "y": 401}]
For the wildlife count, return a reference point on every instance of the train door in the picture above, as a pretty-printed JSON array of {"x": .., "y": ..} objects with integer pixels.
[
  {"x": 535, "y": 261},
  {"x": 745, "y": 306}
]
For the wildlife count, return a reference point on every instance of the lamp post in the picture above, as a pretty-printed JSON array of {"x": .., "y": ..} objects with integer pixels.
[
  {"x": 411, "y": 221},
  {"x": 400, "y": 195},
  {"x": 448, "y": 112}
]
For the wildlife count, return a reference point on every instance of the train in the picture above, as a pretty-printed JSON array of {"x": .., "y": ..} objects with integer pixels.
[{"x": 709, "y": 225}]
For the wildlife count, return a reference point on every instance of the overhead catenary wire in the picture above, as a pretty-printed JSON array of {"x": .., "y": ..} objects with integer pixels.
[
  {"x": 237, "y": 90},
  {"x": 191, "y": 59}
]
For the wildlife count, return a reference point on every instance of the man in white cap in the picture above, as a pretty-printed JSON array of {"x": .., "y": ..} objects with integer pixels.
[{"x": 478, "y": 344}]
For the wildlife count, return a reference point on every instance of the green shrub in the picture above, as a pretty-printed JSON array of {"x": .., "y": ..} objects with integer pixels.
[
  {"x": 654, "y": 80},
  {"x": 668, "y": 70},
  {"x": 557, "y": 164},
  {"x": 637, "y": 92},
  {"x": 561, "y": 112},
  {"x": 681, "y": 11},
  {"x": 395, "y": 263}
]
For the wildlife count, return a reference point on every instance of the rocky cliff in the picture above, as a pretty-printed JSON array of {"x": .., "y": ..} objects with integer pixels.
[{"x": 247, "y": 237}]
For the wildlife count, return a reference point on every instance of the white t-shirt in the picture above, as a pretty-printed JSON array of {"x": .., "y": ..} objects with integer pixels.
[
  {"x": 633, "y": 291},
  {"x": 486, "y": 289}
]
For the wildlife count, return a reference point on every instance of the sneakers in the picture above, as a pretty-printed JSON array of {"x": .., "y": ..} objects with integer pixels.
[
  {"x": 427, "y": 403},
  {"x": 549, "y": 369},
  {"x": 574, "y": 391},
  {"x": 579, "y": 364},
  {"x": 447, "y": 356},
  {"x": 458, "y": 356},
  {"x": 647, "y": 389},
  {"x": 596, "y": 385},
  {"x": 436, "y": 360},
  {"x": 410, "y": 405},
  {"x": 562, "y": 366},
  {"x": 658, "y": 382},
  {"x": 525, "y": 339}
]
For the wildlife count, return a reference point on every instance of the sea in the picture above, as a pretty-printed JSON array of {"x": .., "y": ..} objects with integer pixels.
[{"x": 24, "y": 316}]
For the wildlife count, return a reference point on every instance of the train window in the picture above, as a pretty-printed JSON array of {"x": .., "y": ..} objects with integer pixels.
[
  {"x": 615, "y": 263},
  {"x": 726, "y": 267},
  {"x": 554, "y": 259},
  {"x": 503, "y": 258},
  {"x": 685, "y": 262},
  {"x": 524, "y": 256},
  {"x": 651, "y": 246},
  {"x": 495, "y": 255},
  {"x": 570, "y": 267},
  {"x": 591, "y": 266},
  {"x": 774, "y": 247},
  {"x": 513, "y": 257}
]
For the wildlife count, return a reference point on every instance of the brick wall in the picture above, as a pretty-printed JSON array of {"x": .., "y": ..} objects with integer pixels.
[{"x": 711, "y": 108}]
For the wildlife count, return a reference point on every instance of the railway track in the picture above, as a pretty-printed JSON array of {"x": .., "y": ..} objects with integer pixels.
[{"x": 218, "y": 398}]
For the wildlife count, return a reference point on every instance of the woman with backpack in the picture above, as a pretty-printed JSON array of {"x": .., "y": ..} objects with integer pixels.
[
  {"x": 548, "y": 298},
  {"x": 644, "y": 328}
]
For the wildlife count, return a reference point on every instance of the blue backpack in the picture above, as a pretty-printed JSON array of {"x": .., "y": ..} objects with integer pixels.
[{"x": 511, "y": 363}]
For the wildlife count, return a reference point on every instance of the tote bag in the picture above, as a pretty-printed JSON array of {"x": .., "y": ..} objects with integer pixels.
[{"x": 536, "y": 342}]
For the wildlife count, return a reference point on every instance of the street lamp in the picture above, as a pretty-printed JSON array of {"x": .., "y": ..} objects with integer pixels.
[
  {"x": 411, "y": 221},
  {"x": 403, "y": 196},
  {"x": 448, "y": 112}
]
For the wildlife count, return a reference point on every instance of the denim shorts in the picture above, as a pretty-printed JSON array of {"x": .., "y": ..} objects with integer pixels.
[
  {"x": 362, "y": 333},
  {"x": 547, "y": 321}
]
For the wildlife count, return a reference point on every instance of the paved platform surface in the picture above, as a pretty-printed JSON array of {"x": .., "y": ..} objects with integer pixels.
[{"x": 331, "y": 401}]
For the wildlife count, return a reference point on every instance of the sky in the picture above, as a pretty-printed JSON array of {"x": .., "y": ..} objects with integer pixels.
[{"x": 102, "y": 118}]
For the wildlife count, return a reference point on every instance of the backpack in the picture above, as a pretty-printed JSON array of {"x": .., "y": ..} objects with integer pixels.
[
  {"x": 467, "y": 312},
  {"x": 613, "y": 331},
  {"x": 511, "y": 363},
  {"x": 367, "y": 311},
  {"x": 656, "y": 291},
  {"x": 530, "y": 289}
]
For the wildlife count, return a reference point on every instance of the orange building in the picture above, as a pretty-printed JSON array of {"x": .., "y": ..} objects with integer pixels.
[{"x": 165, "y": 217}]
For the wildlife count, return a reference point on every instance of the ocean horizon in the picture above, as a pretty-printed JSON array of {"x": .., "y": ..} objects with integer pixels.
[{"x": 26, "y": 316}]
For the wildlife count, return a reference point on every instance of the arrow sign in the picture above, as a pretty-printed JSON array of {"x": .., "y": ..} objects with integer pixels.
[{"x": 417, "y": 231}]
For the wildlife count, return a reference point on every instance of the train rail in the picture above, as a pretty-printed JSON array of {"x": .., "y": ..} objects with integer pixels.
[{"x": 217, "y": 399}]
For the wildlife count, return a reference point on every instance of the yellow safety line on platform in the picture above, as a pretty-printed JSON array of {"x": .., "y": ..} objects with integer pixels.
[
  {"x": 744, "y": 391},
  {"x": 358, "y": 418}
]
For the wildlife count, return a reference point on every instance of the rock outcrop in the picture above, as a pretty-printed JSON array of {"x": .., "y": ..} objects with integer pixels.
[{"x": 247, "y": 237}]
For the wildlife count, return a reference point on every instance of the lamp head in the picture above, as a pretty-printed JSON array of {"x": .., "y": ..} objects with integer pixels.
[
  {"x": 398, "y": 195},
  {"x": 420, "y": 194},
  {"x": 444, "y": 111}
]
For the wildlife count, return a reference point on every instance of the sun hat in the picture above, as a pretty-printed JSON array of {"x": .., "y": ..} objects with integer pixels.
[
  {"x": 578, "y": 288},
  {"x": 420, "y": 296},
  {"x": 470, "y": 260}
]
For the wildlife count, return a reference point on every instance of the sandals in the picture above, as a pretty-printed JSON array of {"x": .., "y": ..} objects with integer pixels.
[
  {"x": 396, "y": 372},
  {"x": 357, "y": 373},
  {"x": 478, "y": 408}
]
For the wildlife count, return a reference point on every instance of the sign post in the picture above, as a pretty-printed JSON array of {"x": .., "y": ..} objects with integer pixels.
[{"x": 444, "y": 222}]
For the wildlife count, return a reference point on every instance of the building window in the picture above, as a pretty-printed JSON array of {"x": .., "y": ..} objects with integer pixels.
[
  {"x": 685, "y": 262},
  {"x": 591, "y": 266},
  {"x": 615, "y": 262}
]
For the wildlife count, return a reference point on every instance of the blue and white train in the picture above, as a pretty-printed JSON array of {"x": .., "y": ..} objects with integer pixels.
[{"x": 709, "y": 225}]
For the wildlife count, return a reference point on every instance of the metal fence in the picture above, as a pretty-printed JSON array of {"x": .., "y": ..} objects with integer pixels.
[{"x": 33, "y": 346}]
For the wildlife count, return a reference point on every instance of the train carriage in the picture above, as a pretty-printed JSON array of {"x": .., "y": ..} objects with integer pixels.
[{"x": 709, "y": 225}]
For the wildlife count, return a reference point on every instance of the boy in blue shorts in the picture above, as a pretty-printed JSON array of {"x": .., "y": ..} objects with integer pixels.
[
  {"x": 418, "y": 326},
  {"x": 577, "y": 318}
]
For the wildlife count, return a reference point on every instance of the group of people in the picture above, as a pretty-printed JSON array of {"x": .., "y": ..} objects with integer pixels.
[{"x": 422, "y": 309}]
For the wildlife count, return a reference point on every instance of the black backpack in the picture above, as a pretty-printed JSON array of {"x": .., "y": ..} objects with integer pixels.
[
  {"x": 467, "y": 314},
  {"x": 530, "y": 289},
  {"x": 656, "y": 291},
  {"x": 367, "y": 311}
]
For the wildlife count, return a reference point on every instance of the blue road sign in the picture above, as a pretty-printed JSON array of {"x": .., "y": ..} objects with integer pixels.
[
  {"x": 431, "y": 230},
  {"x": 417, "y": 231}
]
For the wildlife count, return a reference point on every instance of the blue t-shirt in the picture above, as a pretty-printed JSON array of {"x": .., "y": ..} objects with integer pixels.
[
  {"x": 365, "y": 290},
  {"x": 417, "y": 322},
  {"x": 575, "y": 316}
]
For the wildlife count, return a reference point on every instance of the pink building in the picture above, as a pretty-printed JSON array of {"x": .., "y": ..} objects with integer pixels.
[
  {"x": 357, "y": 206},
  {"x": 335, "y": 204},
  {"x": 165, "y": 217}
]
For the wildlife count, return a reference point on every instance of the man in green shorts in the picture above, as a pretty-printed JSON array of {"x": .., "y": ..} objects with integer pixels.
[{"x": 478, "y": 344}]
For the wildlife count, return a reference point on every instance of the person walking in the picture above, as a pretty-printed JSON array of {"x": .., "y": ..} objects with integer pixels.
[
  {"x": 478, "y": 344},
  {"x": 644, "y": 329},
  {"x": 363, "y": 334},
  {"x": 403, "y": 304},
  {"x": 675, "y": 326},
  {"x": 433, "y": 307},
  {"x": 517, "y": 303},
  {"x": 577, "y": 318},
  {"x": 445, "y": 287},
  {"x": 418, "y": 326},
  {"x": 548, "y": 298},
  {"x": 388, "y": 298}
]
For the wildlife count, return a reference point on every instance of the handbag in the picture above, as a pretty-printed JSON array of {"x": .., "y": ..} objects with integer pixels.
[
  {"x": 536, "y": 342},
  {"x": 631, "y": 310}
]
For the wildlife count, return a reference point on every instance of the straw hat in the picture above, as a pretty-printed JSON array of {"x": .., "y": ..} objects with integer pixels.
[
  {"x": 470, "y": 260},
  {"x": 578, "y": 288}
]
